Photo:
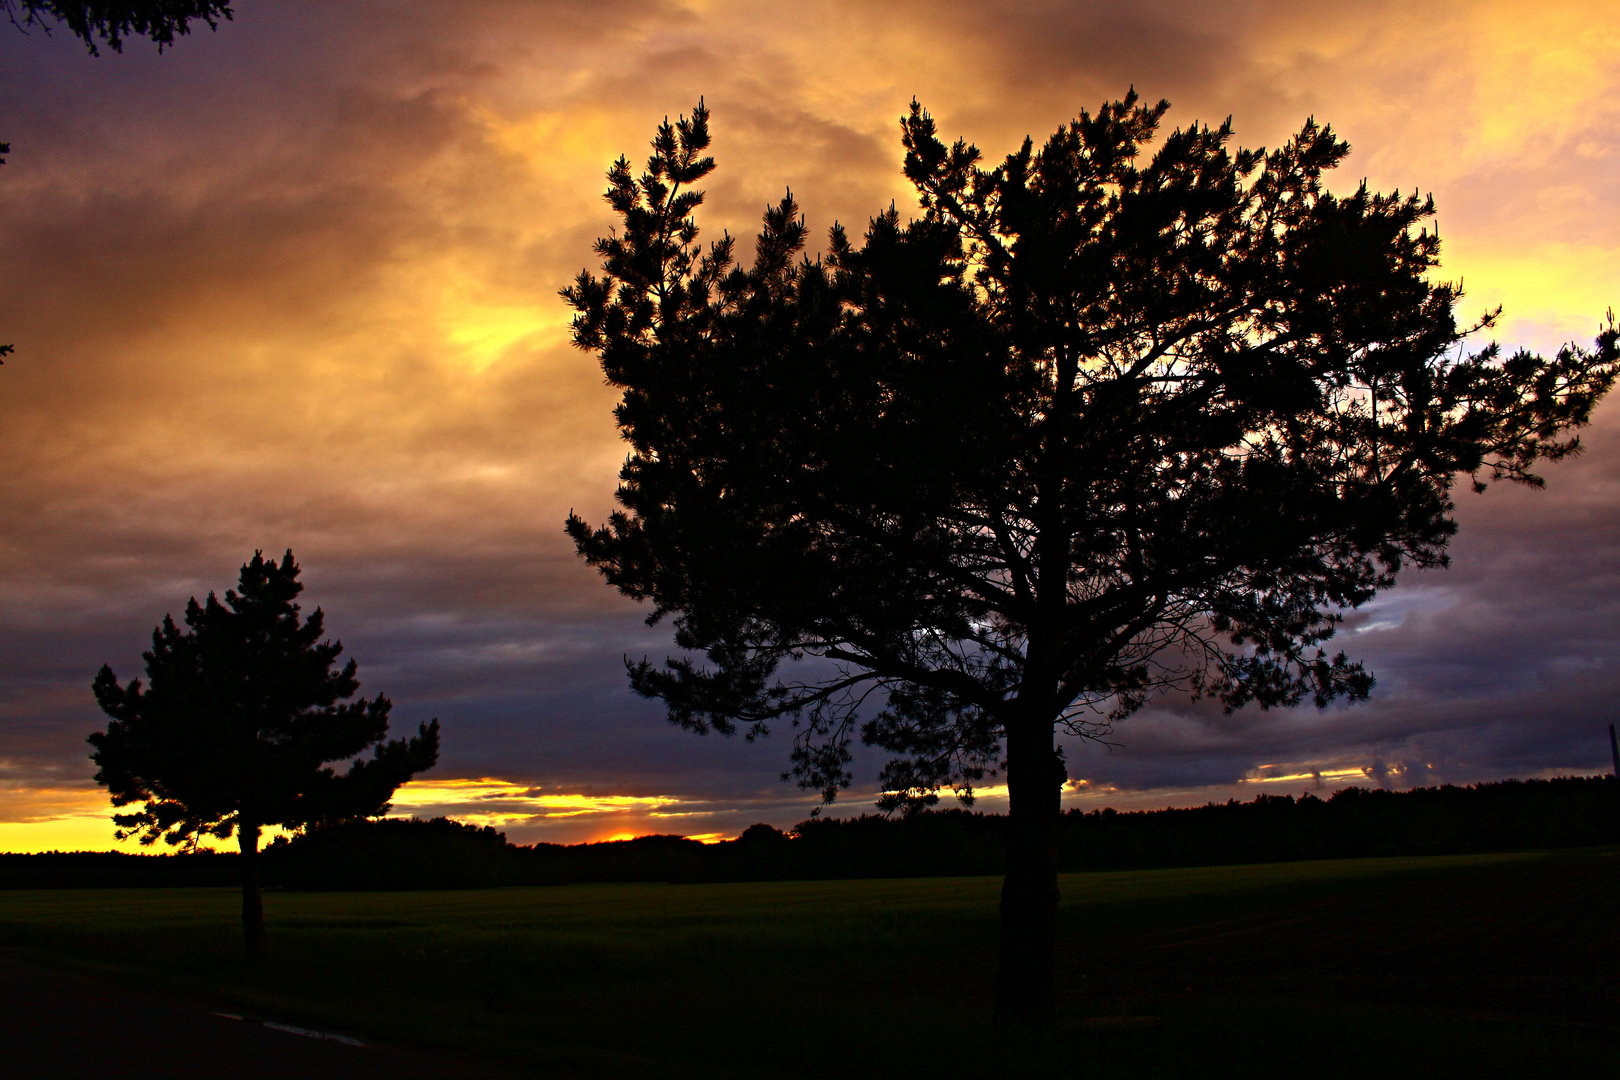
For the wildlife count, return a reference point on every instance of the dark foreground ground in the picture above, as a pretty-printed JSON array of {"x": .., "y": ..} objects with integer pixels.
[
  {"x": 1504, "y": 965},
  {"x": 59, "y": 1025}
]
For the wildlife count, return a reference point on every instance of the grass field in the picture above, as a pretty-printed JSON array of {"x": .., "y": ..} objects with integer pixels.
[{"x": 1503, "y": 965}]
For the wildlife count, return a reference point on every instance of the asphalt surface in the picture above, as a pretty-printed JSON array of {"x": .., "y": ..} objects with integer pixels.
[{"x": 54, "y": 1024}]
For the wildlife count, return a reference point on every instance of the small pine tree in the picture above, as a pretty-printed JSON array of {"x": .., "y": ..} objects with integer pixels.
[{"x": 238, "y": 723}]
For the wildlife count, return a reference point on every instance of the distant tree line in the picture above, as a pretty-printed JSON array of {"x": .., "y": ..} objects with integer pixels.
[
  {"x": 1353, "y": 823},
  {"x": 443, "y": 854}
]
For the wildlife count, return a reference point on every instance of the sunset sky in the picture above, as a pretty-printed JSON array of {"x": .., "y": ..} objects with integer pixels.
[{"x": 294, "y": 284}]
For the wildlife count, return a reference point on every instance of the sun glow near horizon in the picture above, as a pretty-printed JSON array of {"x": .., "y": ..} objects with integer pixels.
[{"x": 77, "y": 818}]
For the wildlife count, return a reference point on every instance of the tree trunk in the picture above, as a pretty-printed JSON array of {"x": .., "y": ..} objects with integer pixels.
[
  {"x": 252, "y": 903},
  {"x": 1025, "y": 992}
]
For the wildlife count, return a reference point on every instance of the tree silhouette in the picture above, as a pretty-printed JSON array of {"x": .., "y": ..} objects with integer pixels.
[
  {"x": 241, "y": 715},
  {"x": 114, "y": 20},
  {"x": 1094, "y": 427},
  {"x": 5, "y": 148}
]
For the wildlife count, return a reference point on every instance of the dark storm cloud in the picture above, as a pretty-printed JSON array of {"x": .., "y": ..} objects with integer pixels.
[{"x": 1506, "y": 663}]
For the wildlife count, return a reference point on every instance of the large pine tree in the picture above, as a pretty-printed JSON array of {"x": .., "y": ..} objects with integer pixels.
[{"x": 1099, "y": 424}]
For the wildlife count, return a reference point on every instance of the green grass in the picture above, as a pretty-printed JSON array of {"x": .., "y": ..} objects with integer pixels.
[{"x": 1490, "y": 966}]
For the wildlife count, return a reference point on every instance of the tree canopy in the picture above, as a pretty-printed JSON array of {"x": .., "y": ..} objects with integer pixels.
[
  {"x": 115, "y": 20},
  {"x": 238, "y": 723},
  {"x": 240, "y": 717},
  {"x": 1098, "y": 424}
]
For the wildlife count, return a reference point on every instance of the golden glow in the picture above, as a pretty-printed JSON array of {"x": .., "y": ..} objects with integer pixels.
[
  {"x": 484, "y": 334},
  {"x": 80, "y": 819},
  {"x": 493, "y": 797},
  {"x": 1536, "y": 68},
  {"x": 79, "y": 833},
  {"x": 34, "y": 819},
  {"x": 582, "y": 138},
  {"x": 24, "y": 804},
  {"x": 1325, "y": 776},
  {"x": 479, "y": 318},
  {"x": 43, "y": 818},
  {"x": 1559, "y": 290},
  {"x": 502, "y": 804}
]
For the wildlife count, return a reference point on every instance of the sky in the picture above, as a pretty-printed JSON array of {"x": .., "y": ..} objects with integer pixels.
[{"x": 293, "y": 284}]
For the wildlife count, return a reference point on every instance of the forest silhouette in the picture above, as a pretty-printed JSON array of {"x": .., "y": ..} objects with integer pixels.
[{"x": 1510, "y": 815}]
